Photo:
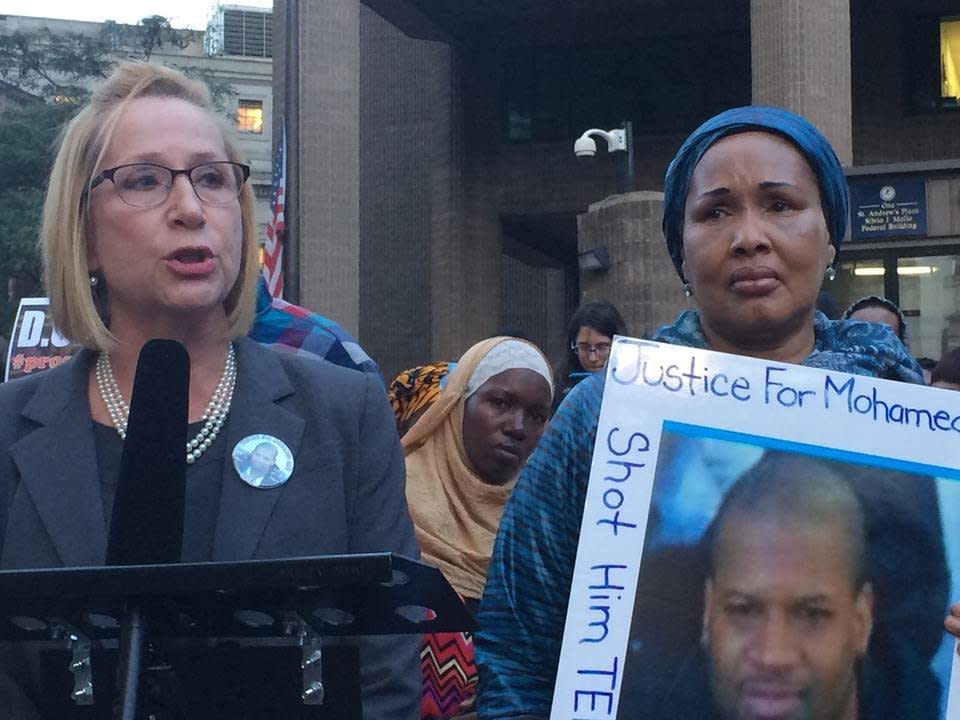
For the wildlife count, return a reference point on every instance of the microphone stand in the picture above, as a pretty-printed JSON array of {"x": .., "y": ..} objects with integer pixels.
[{"x": 130, "y": 661}]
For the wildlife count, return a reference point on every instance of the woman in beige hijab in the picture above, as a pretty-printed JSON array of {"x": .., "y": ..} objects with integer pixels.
[{"x": 463, "y": 457}]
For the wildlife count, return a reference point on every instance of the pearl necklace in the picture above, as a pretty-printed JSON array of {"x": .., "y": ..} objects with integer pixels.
[{"x": 214, "y": 416}]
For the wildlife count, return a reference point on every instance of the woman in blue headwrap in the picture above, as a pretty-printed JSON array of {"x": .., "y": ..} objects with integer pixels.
[{"x": 755, "y": 208}]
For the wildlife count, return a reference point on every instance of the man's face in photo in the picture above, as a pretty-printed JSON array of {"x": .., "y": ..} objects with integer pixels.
[
  {"x": 785, "y": 623},
  {"x": 262, "y": 458}
]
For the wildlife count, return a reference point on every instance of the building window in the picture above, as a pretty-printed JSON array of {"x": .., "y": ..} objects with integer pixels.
[
  {"x": 950, "y": 60},
  {"x": 926, "y": 287},
  {"x": 248, "y": 33},
  {"x": 932, "y": 52},
  {"x": 238, "y": 31},
  {"x": 250, "y": 116}
]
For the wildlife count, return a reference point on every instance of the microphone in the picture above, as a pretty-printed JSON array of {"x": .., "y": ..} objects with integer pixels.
[{"x": 147, "y": 522}]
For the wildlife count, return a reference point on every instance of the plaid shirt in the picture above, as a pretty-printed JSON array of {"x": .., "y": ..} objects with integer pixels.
[{"x": 291, "y": 328}]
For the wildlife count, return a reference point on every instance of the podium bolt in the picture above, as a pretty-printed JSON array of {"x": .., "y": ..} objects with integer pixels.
[
  {"x": 313, "y": 691},
  {"x": 312, "y": 659},
  {"x": 84, "y": 691},
  {"x": 79, "y": 664}
]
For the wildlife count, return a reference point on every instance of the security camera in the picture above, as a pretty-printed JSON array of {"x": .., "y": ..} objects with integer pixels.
[{"x": 585, "y": 147}]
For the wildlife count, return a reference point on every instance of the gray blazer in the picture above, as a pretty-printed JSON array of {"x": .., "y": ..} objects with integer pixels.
[{"x": 346, "y": 493}]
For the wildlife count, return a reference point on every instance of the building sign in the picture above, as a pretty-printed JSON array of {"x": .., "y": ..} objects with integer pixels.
[
  {"x": 35, "y": 345},
  {"x": 884, "y": 209}
]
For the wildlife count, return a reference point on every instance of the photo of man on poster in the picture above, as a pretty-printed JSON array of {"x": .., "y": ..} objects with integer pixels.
[
  {"x": 787, "y": 606},
  {"x": 788, "y": 609}
]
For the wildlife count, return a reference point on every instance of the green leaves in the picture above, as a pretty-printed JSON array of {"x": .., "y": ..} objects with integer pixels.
[
  {"x": 51, "y": 65},
  {"x": 19, "y": 234},
  {"x": 27, "y": 139},
  {"x": 59, "y": 65}
]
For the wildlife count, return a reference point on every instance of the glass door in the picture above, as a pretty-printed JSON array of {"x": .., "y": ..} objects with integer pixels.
[
  {"x": 856, "y": 279},
  {"x": 929, "y": 290},
  {"x": 925, "y": 287}
]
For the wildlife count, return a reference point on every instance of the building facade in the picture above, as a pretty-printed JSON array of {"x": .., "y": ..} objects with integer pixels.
[
  {"x": 242, "y": 68},
  {"x": 439, "y": 194}
]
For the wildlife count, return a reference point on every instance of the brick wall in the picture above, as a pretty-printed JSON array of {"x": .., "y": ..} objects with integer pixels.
[{"x": 400, "y": 81}]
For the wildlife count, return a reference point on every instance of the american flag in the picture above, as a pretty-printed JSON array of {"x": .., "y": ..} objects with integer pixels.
[{"x": 273, "y": 247}]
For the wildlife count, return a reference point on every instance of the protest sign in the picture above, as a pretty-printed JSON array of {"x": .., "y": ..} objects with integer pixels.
[
  {"x": 35, "y": 344},
  {"x": 762, "y": 539}
]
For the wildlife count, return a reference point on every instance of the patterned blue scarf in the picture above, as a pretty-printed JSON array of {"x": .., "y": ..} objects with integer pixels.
[{"x": 851, "y": 346}]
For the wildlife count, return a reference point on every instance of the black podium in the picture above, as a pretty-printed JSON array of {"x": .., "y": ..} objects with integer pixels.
[{"x": 137, "y": 623}]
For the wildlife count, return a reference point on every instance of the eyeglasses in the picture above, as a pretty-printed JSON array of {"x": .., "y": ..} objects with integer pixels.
[
  {"x": 586, "y": 349},
  {"x": 146, "y": 185}
]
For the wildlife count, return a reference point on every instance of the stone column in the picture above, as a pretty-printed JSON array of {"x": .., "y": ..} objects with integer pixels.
[
  {"x": 801, "y": 61},
  {"x": 641, "y": 281},
  {"x": 328, "y": 147}
]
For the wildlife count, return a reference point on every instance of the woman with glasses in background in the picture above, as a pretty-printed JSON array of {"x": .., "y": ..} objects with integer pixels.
[
  {"x": 589, "y": 337},
  {"x": 149, "y": 232}
]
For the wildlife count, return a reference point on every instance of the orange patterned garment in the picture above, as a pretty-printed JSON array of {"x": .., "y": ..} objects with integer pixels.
[{"x": 449, "y": 674}]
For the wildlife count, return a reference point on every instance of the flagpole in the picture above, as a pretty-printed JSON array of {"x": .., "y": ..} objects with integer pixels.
[{"x": 291, "y": 113}]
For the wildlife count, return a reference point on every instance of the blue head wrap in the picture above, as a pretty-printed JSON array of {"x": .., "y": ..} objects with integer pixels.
[{"x": 805, "y": 137}]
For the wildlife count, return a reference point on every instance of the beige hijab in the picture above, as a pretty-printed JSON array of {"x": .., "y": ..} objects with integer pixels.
[{"x": 454, "y": 512}]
